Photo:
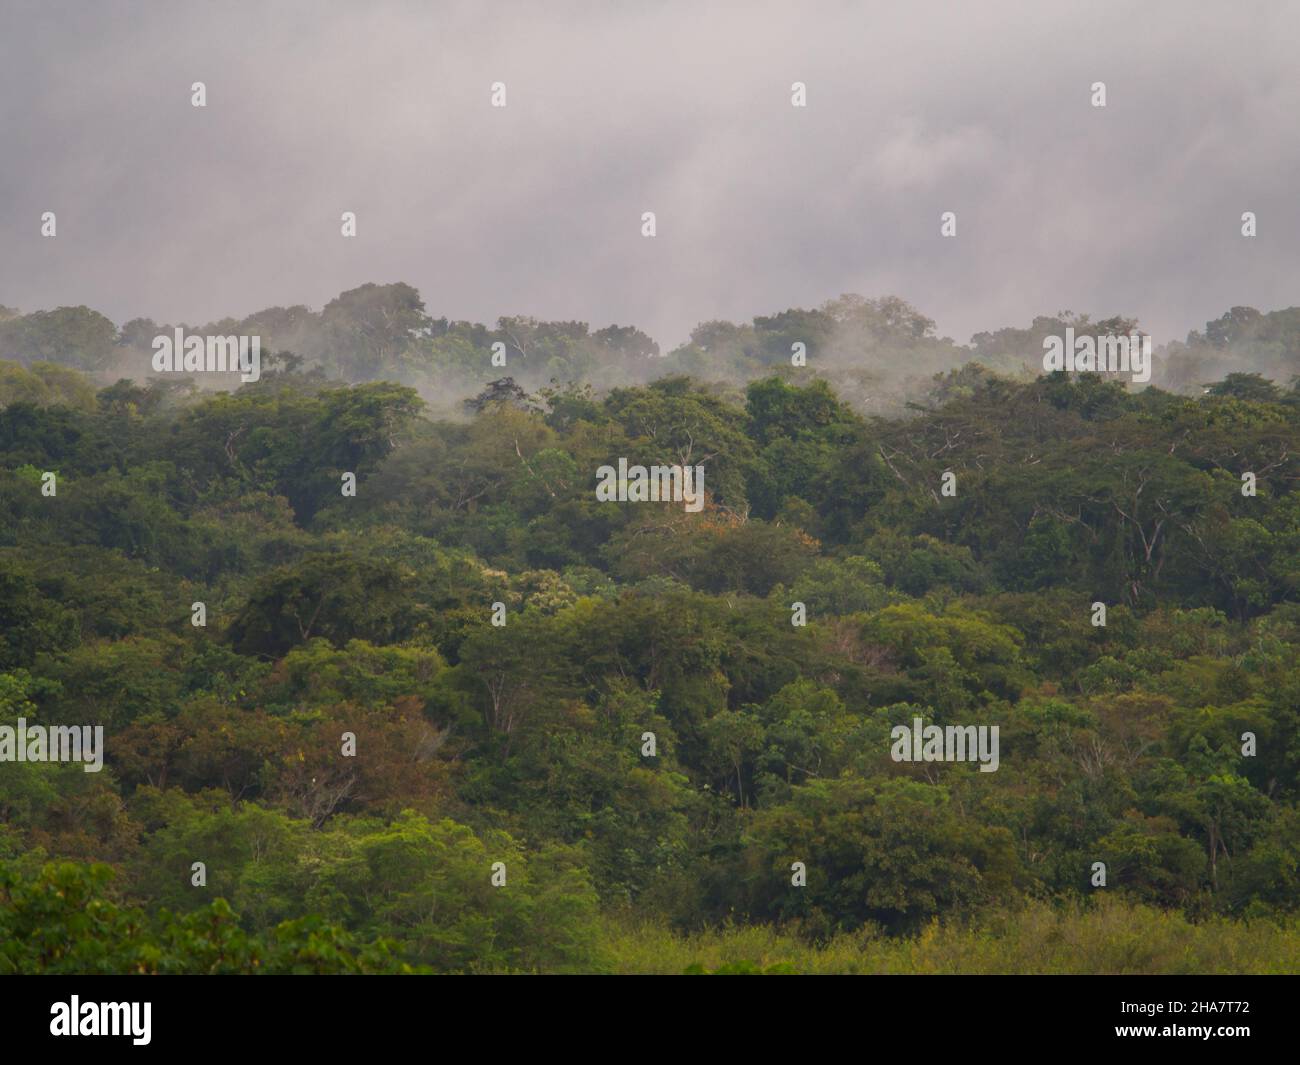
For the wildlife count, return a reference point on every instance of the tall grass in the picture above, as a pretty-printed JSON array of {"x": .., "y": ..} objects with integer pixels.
[{"x": 1108, "y": 937}]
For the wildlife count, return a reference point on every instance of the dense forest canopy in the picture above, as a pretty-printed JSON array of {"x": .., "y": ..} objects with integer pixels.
[{"x": 372, "y": 615}]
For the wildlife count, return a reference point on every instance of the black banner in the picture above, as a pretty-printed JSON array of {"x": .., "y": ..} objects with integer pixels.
[{"x": 338, "y": 1014}]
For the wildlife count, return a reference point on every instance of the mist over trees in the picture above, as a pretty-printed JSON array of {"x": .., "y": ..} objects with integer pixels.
[
  {"x": 371, "y": 615},
  {"x": 878, "y": 354}
]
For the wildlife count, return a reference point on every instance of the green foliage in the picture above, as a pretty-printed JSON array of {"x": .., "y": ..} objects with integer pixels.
[
  {"x": 638, "y": 627},
  {"x": 63, "y": 920}
]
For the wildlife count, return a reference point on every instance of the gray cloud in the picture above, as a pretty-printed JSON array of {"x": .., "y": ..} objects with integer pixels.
[{"x": 314, "y": 108}]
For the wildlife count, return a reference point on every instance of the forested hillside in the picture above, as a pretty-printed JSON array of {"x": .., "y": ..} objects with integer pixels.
[{"x": 498, "y": 643}]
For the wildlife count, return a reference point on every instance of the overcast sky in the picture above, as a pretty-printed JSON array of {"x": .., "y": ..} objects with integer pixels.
[{"x": 177, "y": 213}]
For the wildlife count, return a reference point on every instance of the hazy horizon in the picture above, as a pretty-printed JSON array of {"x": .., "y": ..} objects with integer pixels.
[{"x": 178, "y": 213}]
